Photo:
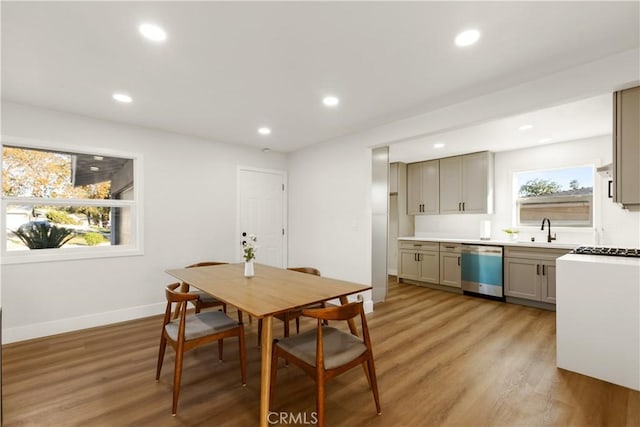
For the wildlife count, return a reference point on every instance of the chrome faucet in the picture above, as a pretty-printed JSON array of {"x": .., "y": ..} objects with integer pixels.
[{"x": 549, "y": 238}]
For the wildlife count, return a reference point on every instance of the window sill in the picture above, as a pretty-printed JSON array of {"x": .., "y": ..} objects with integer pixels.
[{"x": 55, "y": 255}]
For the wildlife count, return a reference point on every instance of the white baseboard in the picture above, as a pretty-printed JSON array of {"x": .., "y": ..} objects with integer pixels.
[
  {"x": 38, "y": 330},
  {"x": 44, "y": 329}
]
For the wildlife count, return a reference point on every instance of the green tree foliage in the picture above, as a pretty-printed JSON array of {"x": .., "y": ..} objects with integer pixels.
[
  {"x": 93, "y": 239},
  {"x": 43, "y": 235},
  {"x": 574, "y": 184},
  {"x": 60, "y": 217},
  {"x": 538, "y": 187}
]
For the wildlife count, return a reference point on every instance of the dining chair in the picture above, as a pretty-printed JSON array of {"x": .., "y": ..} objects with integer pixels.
[
  {"x": 204, "y": 300},
  {"x": 287, "y": 316},
  {"x": 327, "y": 352},
  {"x": 191, "y": 331}
]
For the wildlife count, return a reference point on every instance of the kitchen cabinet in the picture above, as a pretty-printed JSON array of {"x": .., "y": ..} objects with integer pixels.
[
  {"x": 530, "y": 273},
  {"x": 626, "y": 148},
  {"x": 423, "y": 187},
  {"x": 466, "y": 183},
  {"x": 400, "y": 224},
  {"x": 419, "y": 261},
  {"x": 450, "y": 272}
]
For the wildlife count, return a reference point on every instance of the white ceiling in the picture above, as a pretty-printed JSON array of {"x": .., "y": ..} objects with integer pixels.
[
  {"x": 581, "y": 119},
  {"x": 228, "y": 68}
]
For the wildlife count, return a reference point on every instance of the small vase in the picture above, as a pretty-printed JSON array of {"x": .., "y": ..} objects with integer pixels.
[{"x": 248, "y": 268}]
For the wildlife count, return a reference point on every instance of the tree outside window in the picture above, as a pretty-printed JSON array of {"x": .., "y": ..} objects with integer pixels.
[
  {"x": 48, "y": 194},
  {"x": 563, "y": 195}
]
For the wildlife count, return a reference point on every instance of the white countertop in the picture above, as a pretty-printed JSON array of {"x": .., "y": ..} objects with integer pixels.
[
  {"x": 603, "y": 259},
  {"x": 553, "y": 245}
]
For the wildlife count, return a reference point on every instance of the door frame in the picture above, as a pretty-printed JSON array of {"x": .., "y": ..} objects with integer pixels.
[{"x": 285, "y": 239}]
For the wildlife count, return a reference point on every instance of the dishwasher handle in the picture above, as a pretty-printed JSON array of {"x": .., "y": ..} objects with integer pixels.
[{"x": 482, "y": 249}]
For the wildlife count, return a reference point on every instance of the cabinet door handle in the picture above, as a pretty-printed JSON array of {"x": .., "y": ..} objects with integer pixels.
[
  {"x": 537, "y": 269},
  {"x": 543, "y": 269},
  {"x": 463, "y": 206},
  {"x": 458, "y": 261},
  {"x": 459, "y": 206},
  {"x": 610, "y": 194}
]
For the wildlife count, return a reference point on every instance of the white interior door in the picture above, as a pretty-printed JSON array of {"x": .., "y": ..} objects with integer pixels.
[{"x": 261, "y": 211}]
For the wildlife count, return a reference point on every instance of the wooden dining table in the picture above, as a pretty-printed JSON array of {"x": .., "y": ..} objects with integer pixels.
[{"x": 270, "y": 291}]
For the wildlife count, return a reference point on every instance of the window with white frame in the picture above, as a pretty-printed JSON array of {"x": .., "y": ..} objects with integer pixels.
[
  {"x": 62, "y": 204},
  {"x": 565, "y": 196}
]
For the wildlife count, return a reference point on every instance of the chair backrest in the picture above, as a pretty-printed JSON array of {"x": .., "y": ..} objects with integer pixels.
[
  {"x": 339, "y": 312},
  {"x": 205, "y": 264},
  {"x": 307, "y": 270},
  {"x": 178, "y": 298},
  {"x": 342, "y": 312}
]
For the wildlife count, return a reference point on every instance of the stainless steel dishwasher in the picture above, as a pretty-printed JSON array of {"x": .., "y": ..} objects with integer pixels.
[{"x": 482, "y": 269}]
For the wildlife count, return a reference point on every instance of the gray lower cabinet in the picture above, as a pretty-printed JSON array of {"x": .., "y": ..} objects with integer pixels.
[
  {"x": 419, "y": 261},
  {"x": 531, "y": 273},
  {"x": 450, "y": 272}
]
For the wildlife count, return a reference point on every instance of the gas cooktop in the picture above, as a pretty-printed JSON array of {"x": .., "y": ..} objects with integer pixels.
[{"x": 599, "y": 250}]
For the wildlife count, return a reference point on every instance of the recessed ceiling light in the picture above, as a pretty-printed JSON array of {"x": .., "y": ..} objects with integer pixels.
[
  {"x": 152, "y": 32},
  {"x": 264, "y": 131},
  {"x": 94, "y": 168},
  {"x": 525, "y": 127},
  {"x": 98, "y": 158},
  {"x": 266, "y": 149},
  {"x": 467, "y": 38},
  {"x": 330, "y": 101},
  {"x": 122, "y": 97},
  {"x": 543, "y": 140},
  {"x": 438, "y": 145}
]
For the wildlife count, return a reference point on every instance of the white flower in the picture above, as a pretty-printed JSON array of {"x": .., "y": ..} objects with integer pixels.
[{"x": 249, "y": 246}]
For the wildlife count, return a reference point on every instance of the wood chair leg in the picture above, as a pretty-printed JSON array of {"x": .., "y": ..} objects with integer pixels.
[
  {"x": 374, "y": 385},
  {"x": 259, "y": 331},
  {"x": 320, "y": 401},
  {"x": 224, "y": 308},
  {"x": 177, "y": 377},
  {"x": 163, "y": 346},
  {"x": 243, "y": 356},
  {"x": 297, "y": 325},
  {"x": 286, "y": 324},
  {"x": 220, "y": 350},
  {"x": 240, "y": 316}
]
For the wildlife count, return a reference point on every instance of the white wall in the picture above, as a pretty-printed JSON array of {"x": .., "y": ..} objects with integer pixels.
[
  {"x": 189, "y": 216},
  {"x": 330, "y": 210},
  {"x": 616, "y": 226}
]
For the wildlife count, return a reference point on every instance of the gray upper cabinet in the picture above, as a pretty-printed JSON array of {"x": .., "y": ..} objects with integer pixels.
[
  {"x": 626, "y": 148},
  {"x": 422, "y": 188},
  {"x": 466, "y": 183},
  {"x": 451, "y": 185}
]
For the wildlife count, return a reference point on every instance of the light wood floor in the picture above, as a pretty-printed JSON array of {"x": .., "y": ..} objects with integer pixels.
[{"x": 442, "y": 360}]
